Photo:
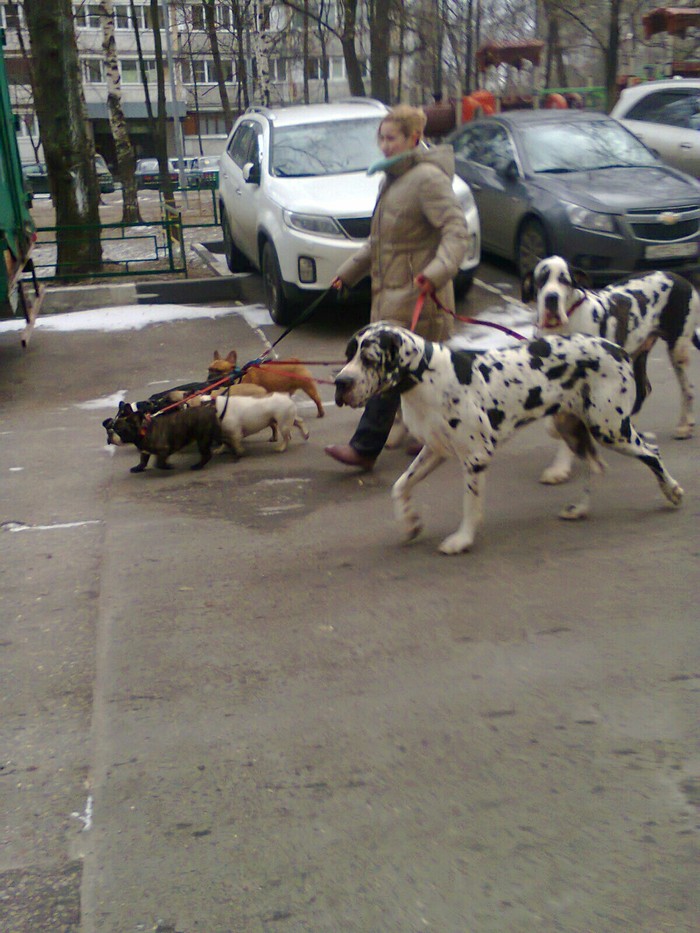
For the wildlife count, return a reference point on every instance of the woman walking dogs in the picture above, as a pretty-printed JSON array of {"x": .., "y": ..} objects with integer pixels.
[{"x": 417, "y": 241}]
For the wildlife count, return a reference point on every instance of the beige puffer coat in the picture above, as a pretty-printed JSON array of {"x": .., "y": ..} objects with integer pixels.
[{"x": 417, "y": 227}]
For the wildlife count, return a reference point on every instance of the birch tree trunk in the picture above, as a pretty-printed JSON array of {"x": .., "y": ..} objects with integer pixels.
[
  {"x": 126, "y": 159},
  {"x": 68, "y": 145},
  {"x": 261, "y": 40}
]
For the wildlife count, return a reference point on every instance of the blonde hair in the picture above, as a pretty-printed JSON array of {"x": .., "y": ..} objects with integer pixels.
[{"x": 408, "y": 119}]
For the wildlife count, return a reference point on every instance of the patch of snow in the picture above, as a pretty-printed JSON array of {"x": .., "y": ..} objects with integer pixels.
[{"x": 135, "y": 317}]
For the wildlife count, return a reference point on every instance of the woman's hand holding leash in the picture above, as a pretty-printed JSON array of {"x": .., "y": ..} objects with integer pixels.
[{"x": 424, "y": 285}]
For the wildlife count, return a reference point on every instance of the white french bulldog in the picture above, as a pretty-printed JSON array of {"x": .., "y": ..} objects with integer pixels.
[{"x": 241, "y": 416}]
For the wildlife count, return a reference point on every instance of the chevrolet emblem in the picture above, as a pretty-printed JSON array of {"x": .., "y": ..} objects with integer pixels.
[{"x": 669, "y": 218}]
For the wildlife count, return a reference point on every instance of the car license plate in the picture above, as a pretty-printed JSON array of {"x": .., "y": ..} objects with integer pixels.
[{"x": 671, "y": 250}]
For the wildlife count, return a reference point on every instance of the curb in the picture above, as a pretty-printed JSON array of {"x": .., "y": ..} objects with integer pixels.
[{"x": 243, "y": 287}]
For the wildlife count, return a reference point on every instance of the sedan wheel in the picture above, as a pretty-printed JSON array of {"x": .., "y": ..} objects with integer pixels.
[
  {"x": 282, "y": 310},
  {"x": 532, "y": 246}
]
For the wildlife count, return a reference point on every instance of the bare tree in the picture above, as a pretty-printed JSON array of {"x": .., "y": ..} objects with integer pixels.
[
  {"x": 68, "y": 145},
  {"x": 211, "y": 27},
  {"x": 126, "y": 159},
  {"x": 161, "y": 117},
  {"x": 379, "y": 15}
]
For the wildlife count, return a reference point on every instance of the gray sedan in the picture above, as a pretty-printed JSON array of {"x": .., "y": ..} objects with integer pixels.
[{"x": 580, "y": 185}]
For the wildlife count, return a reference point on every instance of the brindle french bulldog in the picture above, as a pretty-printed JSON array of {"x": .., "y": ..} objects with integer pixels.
[{"x": 166, "y": 434}]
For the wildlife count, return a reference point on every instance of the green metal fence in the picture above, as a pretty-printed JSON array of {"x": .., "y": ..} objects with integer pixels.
[{"x": 146, "y": 248}]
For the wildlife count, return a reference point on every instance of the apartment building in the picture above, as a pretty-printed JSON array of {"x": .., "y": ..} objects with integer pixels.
[{"x": 193, "y": 100}]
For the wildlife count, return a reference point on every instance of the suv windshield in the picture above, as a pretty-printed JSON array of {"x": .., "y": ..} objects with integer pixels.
[
  {"x": 580, "y": 147},
  {"x": 329, "y": 148}
]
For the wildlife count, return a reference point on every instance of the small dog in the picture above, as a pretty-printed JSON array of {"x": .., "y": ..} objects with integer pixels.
[
  {"x": 633, "y": 314},
  {"x": 180, "y": 394},
  {"x": 463, "y": 404},
  {"x": 241, "y": 417},
  {"x": 280, "y": 376},
  {"x": 165, "y": 434}
]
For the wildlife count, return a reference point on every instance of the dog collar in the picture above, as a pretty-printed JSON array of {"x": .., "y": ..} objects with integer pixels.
[{"x": 576, "y": 305}]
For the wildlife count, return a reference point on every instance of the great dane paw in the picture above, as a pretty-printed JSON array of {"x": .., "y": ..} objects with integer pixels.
[
  {"x": 574, "y": 512},
  {"x": 411, "y": 529},
  {"x": 455, "y": 544},
  {"x": 683, "y": 432},
  {"x": 674, "y": 494},
  {"x": 553, "y": 476}
]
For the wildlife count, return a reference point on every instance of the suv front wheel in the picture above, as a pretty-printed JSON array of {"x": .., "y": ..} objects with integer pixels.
[
  {"x": 235, "y": 260},
  {"x": 282, "y": 309}
]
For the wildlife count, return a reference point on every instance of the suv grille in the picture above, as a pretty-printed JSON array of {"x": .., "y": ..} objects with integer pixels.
[
  {"x": 357, "y": 228},
  {"x": 647, "y": 226}
]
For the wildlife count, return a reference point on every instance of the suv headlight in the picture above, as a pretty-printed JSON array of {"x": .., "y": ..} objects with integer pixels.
[
  {"x": 313, "y": 223},
  {"x": 466, "y": 200},
  {"x": 590, "y": 220}
]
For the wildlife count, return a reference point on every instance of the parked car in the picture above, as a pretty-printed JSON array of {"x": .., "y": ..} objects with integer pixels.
[
  {"x": 209, "y": 171},
  {"x": 104, "y": 176},
  {"x": 581, "y": 185},
  {"x": 191, "y": 167},
  {"x": 295, "y": 198},
  {"x": 147, "y": 174},
  {"x": 37, "y": 176},
  {"x": 665, "y": 115}
]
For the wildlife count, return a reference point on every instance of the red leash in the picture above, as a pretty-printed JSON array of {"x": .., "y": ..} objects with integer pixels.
[{"x": 467, "y": 320}]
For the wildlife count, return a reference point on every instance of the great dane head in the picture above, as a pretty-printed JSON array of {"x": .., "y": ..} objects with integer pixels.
[
  {"x": 380, "y": 357},
  {"x": 557, "y": 287}
]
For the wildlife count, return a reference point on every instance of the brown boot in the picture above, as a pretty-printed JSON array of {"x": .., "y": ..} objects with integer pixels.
[{"x": 346, "y": 454}]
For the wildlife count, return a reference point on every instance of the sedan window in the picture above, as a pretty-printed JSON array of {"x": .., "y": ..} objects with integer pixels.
[
  {"x": 580, "y": 147},
  {"x": 488, "y": 144}
]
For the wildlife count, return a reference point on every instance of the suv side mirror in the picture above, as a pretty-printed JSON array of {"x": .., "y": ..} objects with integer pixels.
[
  {"x": 251, "y": 173},
  {"x": 510, "y": 170}
]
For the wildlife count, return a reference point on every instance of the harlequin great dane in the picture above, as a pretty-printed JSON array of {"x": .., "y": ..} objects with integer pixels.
[
  {"x": 633, "y": 313},
  {"x": 462, "y": 403}
]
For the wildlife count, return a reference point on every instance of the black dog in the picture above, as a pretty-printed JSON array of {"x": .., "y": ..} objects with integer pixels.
[
  {"x": 155, "y": 403},
  {"x": 165, "y": 434}
]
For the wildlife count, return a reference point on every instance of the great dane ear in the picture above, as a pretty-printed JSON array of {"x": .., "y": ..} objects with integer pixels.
[
  {"x": 390, "y": 343},
  {"x": 580, "y": 278},
  {"x": 351, "y": 349},
  {"x": 527, "y": 287}
]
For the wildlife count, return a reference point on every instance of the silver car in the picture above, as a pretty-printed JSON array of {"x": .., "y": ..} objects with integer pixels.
[
  {"x": 580, "y": 185},
  {"x": 665, "y": 115}
]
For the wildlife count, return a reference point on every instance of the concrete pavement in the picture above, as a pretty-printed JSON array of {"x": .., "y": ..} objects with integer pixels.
[{"x": 234, "y": 703}]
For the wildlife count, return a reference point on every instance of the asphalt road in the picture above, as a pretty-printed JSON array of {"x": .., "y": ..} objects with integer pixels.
[{"x": 234, "y": 702}]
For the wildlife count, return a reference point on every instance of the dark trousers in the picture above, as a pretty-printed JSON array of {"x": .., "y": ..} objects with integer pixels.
[{"x": 375, "y": 424}]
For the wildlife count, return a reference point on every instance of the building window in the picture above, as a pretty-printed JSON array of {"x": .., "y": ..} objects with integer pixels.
[
  {"x": 197, "y": 17},
  {"x": 87, "y": 16},
  {"x": 122, "y": 20},
  {"x": 278, "y": 69},
  {"x": 143, "y": 16},
  {"x": 202, "y": 71},
  {"x": 17, "y": 69},
  {"x": 131, "y": 72},
  {"x": 337, "y": 67},
  {"x": 11, "y": 16},
  {"x": 92, "y": 70},
  {"x": 223, "y": 17}
]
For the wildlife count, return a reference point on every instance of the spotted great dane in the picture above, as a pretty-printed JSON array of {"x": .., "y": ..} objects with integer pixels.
[
  {"x": 633, "y": 313},
  {"x": 462, "y": 403}
]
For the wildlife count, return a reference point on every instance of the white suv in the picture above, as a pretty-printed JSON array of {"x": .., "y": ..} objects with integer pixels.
[
  {"x": 295, "y": 198},
  {"x": 665, "y": 115}
]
